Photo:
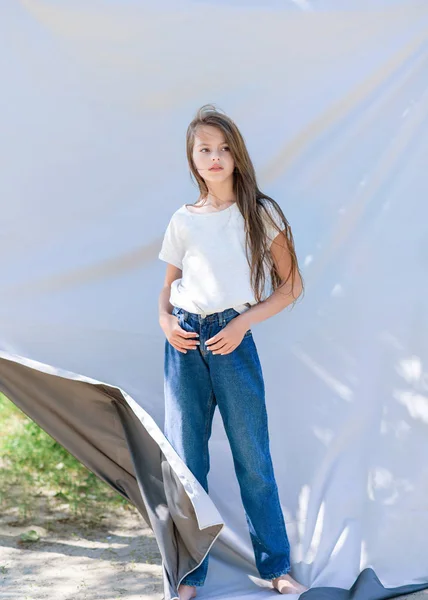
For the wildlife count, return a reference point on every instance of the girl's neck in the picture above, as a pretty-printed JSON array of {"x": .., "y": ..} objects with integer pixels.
[{"x": 217, "y": 202}]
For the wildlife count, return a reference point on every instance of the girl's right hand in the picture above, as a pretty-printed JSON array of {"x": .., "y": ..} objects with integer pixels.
[{"x": 178, "y": 337}]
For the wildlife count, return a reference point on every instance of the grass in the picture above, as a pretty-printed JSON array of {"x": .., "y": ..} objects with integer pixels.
[{"x": 40, "y": 482}]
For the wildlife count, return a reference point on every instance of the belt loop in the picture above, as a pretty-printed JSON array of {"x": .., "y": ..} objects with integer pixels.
[{"x": 220, "y": 319}]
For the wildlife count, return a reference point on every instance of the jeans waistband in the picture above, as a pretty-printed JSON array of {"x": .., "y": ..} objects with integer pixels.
[{"x": 219, "y": 317}]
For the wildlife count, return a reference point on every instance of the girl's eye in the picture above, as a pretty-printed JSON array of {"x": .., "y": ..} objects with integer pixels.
[{"x": 224, "y": 148}]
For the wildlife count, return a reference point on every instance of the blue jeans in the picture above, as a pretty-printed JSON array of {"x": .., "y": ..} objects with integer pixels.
[{"x": 194, "y": 383}]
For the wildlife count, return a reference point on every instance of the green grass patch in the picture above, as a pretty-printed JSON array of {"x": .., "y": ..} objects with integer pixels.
[{"x": 41, "y": 482}]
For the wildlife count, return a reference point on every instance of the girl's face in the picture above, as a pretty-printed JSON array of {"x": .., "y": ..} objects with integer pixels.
[{"x": 210, "y": 149}]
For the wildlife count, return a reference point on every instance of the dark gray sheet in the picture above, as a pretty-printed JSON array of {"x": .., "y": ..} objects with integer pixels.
[{"x": 95, "y": 423}]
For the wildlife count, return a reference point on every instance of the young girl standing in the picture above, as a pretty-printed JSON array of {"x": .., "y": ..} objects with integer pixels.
[{"x": 220, "y": 252}]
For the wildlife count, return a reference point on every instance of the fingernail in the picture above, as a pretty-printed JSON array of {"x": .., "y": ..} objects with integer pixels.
[{"x": 197, "y": 342}]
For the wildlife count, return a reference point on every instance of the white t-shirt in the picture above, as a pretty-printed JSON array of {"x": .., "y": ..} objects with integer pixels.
[{"x": 209, "y": 248}]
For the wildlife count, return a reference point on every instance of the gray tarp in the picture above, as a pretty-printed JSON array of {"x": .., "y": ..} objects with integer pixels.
[{"x": 332, "y": 100}]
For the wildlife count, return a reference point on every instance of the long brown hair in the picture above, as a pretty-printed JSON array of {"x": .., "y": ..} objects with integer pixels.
[{"x": 249, "y": 200}]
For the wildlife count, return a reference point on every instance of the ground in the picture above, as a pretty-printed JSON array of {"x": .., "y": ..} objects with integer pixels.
[{"x": 119, "y": 560}]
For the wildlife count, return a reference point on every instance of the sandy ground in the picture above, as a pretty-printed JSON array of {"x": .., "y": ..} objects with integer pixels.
[{"x": 119, "y": 560}]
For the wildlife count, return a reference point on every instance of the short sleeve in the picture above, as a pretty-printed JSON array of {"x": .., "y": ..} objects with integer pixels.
[
  {"x": 271, "y": 231},
  {"x": 172, "y": 250}
]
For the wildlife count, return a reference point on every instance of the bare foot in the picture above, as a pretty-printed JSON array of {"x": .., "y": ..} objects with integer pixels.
[
  {"x": 185, "y": 592},
  {"x": 285, "y": 584}
]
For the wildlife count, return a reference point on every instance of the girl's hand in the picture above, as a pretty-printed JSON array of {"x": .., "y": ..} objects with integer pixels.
[
  {"x": 229, "y": 338},
  {"x": 178, "y": 337}
]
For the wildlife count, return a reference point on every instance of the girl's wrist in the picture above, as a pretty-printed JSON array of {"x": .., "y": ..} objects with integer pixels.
[
  {"x": 244, "y": 320},
  {"x": 163, "y": 318}
]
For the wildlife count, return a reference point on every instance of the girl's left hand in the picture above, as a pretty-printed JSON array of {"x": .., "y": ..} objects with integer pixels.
[{"x": 229, "y": 338}]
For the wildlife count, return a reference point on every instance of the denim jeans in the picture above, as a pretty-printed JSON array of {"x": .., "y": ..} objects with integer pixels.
[{"x": 194, "y": 384}]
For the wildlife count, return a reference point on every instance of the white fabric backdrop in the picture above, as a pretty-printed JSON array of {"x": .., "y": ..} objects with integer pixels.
[{"x": 333, "y": 102}]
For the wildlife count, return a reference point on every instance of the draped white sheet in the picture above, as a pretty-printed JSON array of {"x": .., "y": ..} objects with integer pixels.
[{"x": 332, "y": 99}]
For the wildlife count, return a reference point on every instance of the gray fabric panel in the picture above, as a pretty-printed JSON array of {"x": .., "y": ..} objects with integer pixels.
[{"x": 95, "y": 424}]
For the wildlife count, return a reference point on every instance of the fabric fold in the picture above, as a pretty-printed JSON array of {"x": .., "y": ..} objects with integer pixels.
[{"x": 108, "y": 432}]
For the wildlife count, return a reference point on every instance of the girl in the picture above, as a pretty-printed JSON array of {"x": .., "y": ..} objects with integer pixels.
[{"x": 220, "y": 252}]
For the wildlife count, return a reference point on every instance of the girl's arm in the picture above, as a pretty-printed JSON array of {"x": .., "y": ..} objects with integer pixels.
[
  {"x": 282, "y": 296},
  {"x": 165, "y": 307},
  {"x": 181, "y": 339}
]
